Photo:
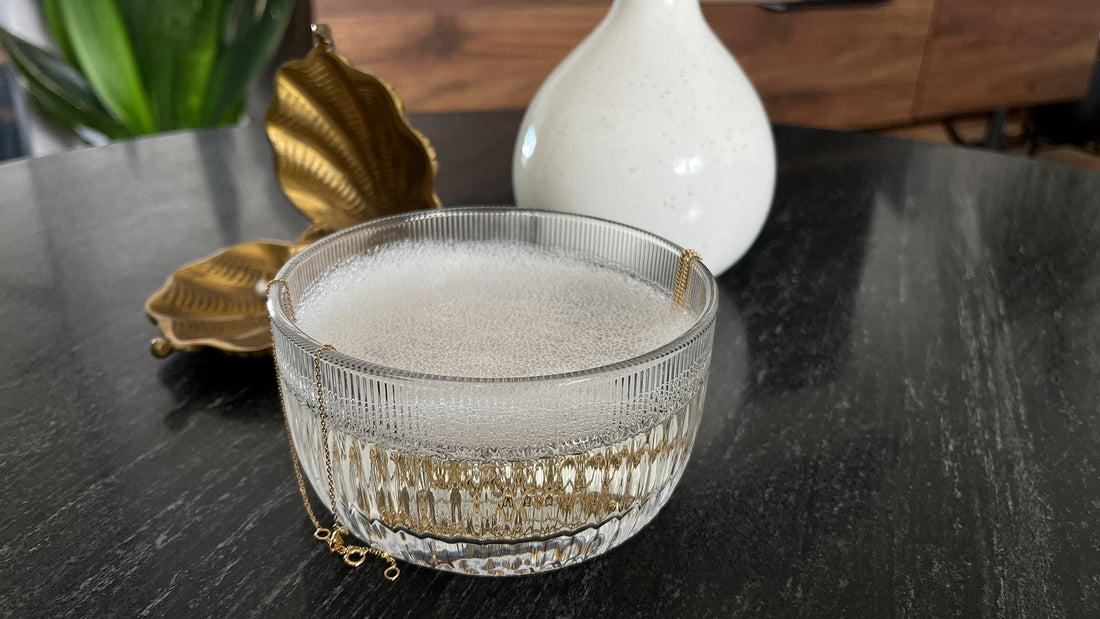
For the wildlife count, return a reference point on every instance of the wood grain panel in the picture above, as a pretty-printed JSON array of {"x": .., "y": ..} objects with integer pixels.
[
  {"x": 480, "y": 58},
  {"x": 841, "y": 68},
  {"x": 984, "y": 54},
  {"x": 838, "y": 68}
]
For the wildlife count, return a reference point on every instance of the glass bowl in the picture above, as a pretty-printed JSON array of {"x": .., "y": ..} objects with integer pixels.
[{"x": 498, "y": 476}]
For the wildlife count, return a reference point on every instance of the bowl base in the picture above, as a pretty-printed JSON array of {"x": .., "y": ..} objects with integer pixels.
[{"x": 509, "y": 558}]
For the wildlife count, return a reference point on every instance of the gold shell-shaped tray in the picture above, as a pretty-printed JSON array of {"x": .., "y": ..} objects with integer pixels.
[
  {"x": 344, "y": 151},
  {"x": 219, "y": 301},
  {"x": 344, "y": 154}
]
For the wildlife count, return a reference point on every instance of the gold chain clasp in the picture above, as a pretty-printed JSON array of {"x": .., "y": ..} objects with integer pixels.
[
  {"x": 336, "y": 540},
  {"x": 355, "y": 555}
]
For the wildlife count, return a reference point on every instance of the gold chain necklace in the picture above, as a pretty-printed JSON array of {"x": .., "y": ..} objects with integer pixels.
[{"x": 334, "y": 536}]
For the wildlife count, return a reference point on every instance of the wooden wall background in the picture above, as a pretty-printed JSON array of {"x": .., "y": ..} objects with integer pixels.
[
  {"x": 984, "y": 54},
  {"x": 845, "y": 68}
]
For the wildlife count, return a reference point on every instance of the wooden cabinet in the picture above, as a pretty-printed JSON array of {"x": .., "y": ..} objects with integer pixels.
[
  {"x": 842, "y": 68},
  {"x": 845, "y": 67},
  {"x": 451, "y": 55},
  {"x": 984, "y": 54}
]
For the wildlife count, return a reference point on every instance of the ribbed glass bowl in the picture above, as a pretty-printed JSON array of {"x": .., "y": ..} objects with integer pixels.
[{"x": 498, "y": 476}]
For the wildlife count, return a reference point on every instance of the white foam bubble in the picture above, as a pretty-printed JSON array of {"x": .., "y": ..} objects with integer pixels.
[{"x": 486, "y": 310}]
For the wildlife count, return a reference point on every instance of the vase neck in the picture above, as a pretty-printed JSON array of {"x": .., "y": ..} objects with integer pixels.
[{"x": 667, "y": 8}]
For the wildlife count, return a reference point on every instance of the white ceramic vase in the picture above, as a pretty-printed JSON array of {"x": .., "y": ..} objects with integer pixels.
[{"x": 651, "y": 122}]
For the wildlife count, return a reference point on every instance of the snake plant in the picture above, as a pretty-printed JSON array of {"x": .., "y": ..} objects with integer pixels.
[{"x": 134, "y": 67}]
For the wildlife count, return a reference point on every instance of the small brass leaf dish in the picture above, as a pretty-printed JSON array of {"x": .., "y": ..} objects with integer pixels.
[
  {"x": 344, "y": 154},
  {"x": 219, "y": 301}
]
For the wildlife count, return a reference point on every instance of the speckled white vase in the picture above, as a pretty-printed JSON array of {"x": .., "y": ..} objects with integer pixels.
[{"x": 651, "y": 122}]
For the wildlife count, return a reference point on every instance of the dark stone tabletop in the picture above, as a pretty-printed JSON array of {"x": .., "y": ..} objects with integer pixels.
[{"x": 902, "y": 417}]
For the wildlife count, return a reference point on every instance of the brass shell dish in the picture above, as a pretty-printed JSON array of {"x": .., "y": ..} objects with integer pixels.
[
  {"x": 344, "y": 154},
  {"x": 219, "y": 301}
]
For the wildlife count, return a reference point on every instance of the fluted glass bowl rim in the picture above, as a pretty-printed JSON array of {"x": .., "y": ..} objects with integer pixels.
[{"x": 281, "y": 320}]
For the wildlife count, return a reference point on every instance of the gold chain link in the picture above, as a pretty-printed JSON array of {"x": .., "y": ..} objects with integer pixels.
[
  {"x": 334, "y": 535},
  {"x": 322, "y": 413},
  {"x": 679, "y": 290}
]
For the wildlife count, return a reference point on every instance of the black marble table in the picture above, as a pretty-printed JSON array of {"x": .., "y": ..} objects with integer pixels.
[{"x": 902, "y": 417}]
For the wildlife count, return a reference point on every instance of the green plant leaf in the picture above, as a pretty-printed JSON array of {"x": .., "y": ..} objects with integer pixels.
[
  {"x": 233, "y": 114},
  {"x": 51, "y": 12},
  {"x": 102, "y": 50},
  {"x": 150, "y": 66},
  {"x": 251, "y": 32},
  {"x": 152, "y": 43},
  {"x": 61, "y": 113},
  {"x": 59, "y": 90},
  {"x": 175, "y": 45},
  {"x": 158, "y": 37},
  {"x": 199, "y": 61}
]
